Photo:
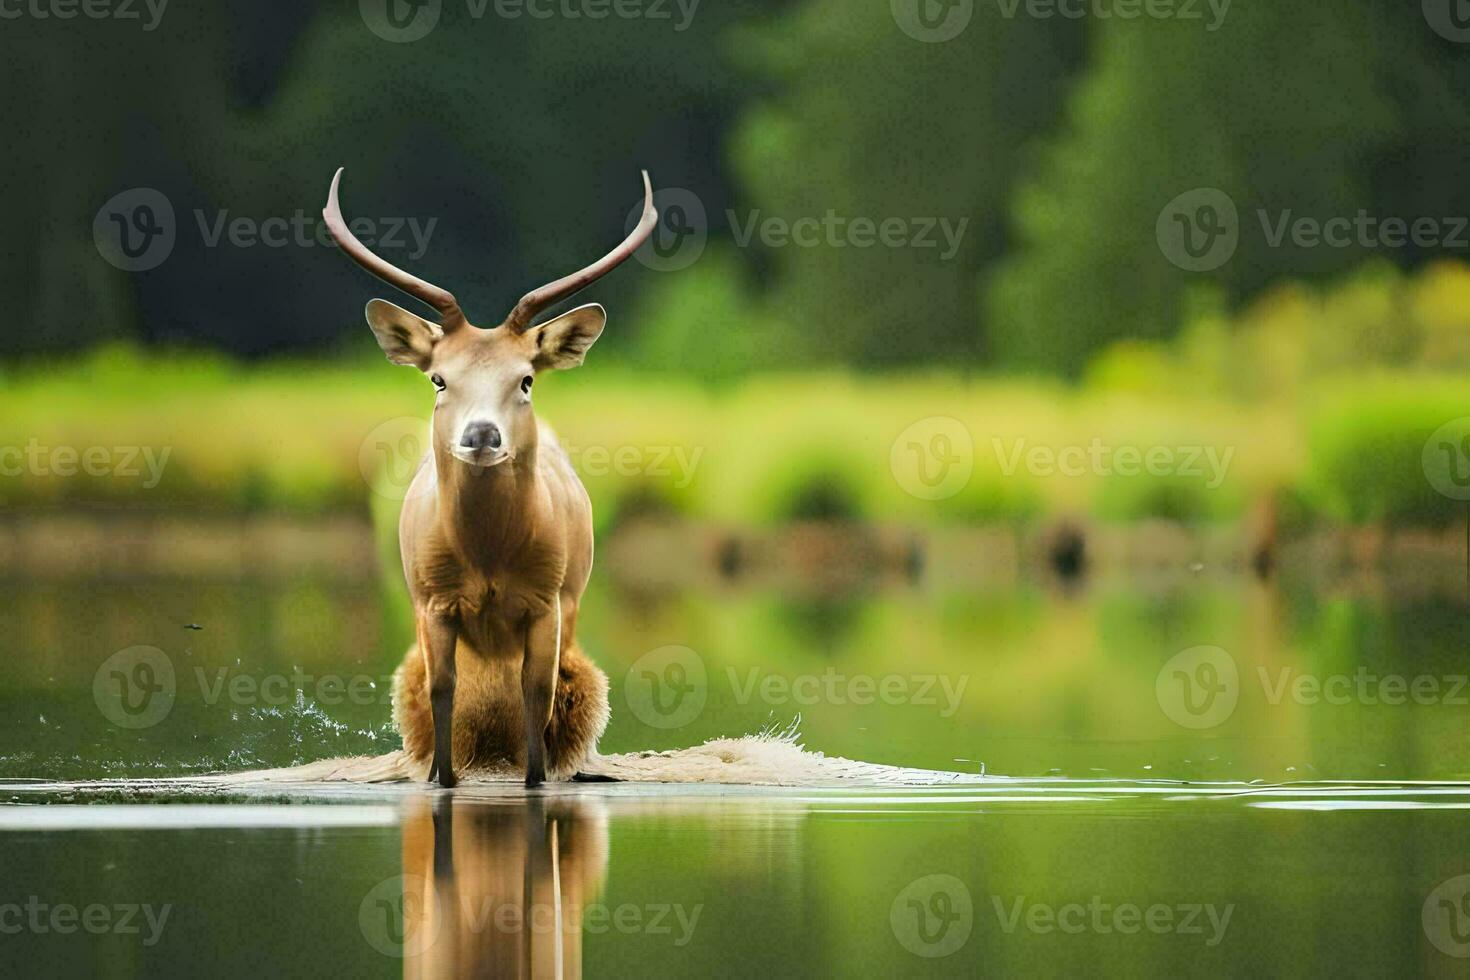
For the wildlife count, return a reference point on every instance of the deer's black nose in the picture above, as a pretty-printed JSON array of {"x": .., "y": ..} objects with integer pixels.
[{"x": 481, "y": 435}]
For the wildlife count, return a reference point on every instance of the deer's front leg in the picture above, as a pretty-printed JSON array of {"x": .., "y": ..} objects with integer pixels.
[
  {"x": 538, "y": 686},
  {"x": 441, "y": 635}
]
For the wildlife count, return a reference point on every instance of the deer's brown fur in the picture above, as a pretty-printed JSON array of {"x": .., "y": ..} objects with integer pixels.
[
  {"x": 496, "y": 531},
  {"x": 488, "y": 725}
]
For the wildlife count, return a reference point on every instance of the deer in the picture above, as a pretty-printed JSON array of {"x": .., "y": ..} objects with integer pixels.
[{"x": 495, "y": 533}]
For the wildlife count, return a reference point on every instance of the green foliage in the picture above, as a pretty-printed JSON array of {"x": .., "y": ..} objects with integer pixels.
[
  {"x": 1286, "y": 108},
  {"x": 1293, "y": 336},
  {"x": 1288, "y": 412},
  {"x": 518, "y": 139},
  {"x": 992, "y": 497},
  {"x": 1367, "y": 451},
  {"x": 1186, "y": 499},
  {"x": 298, "y": 436},
  {"x": 863, "y": 121},
  {"x": 1049, "y": 145},
  {"x": 704, "y": 322},
  {"x": 811, "y": 484}
]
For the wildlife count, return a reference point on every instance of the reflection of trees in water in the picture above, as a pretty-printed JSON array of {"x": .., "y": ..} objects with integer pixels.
[
  {"x": 510, "y": 884},
  {"x": 827, "y": 624}
]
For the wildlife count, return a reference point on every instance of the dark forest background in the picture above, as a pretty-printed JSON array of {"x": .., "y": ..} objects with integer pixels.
[{"x": 1058, "y": 140}]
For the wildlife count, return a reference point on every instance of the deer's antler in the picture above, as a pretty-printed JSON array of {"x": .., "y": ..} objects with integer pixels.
[
  {"x": 450, "y": 315},
  {"x": 539, "y": 299}
]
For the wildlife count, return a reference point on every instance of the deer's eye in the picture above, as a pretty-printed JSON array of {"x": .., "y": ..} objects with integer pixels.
[
  {"x": 438, "y": 382},
  {"x": 526, "y": 383}
]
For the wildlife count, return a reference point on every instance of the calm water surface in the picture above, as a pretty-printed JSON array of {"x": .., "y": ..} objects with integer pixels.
[{"x": 1150, "y": 732}]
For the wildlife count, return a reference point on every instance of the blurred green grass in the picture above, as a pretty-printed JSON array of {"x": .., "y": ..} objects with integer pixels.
[
  {"x": 1285, "y": 402},
  {"x": 290, "y": 436}
]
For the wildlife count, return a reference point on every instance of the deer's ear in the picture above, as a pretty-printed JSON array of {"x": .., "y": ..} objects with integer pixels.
[
  {"x": 562, "y": 343},
  {"x": 404, "y": 337}
]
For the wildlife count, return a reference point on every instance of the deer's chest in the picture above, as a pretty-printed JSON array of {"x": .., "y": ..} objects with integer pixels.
[{"x": 493, "y": 605}]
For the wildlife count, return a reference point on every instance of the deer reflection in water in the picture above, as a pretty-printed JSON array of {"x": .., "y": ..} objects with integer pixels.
[{"x": 499, "y": 890}]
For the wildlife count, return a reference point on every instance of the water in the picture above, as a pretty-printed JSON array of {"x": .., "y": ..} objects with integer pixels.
[
  {"x": 621, "y": 881},
  {"x": 1208, "y": 776}
]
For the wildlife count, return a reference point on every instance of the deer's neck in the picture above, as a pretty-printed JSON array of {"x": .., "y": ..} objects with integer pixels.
[{"x": 488, "y": 513}]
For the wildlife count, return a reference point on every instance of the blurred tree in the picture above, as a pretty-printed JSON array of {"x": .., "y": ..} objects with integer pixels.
[
  {"x": 870, "y": 123},
  {"x": 92, "y": 108},
  {"x": 511, "y": 144},
  {"x": 1293, "y": 110},
  {"x": 1032, "y": 154}
]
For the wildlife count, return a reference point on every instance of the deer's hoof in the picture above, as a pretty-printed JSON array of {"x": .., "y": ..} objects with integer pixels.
[
  {"x": 443, "y": 775},
  {"x": 594, "y": 777}
]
